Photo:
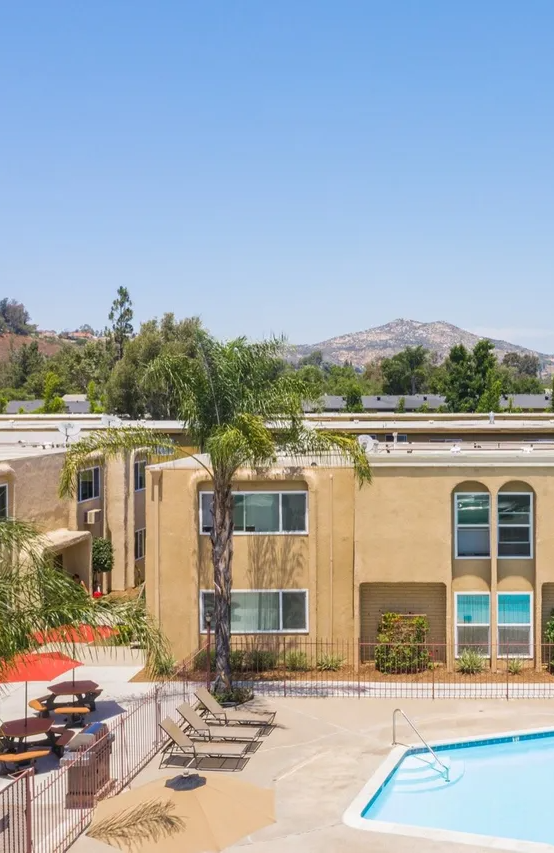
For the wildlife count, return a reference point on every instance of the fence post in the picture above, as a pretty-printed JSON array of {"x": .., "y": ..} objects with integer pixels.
[
  {"x": 158, "y": 713},
  {"x": 29, "y": 776},
  {"x": 433, "y": 664}
]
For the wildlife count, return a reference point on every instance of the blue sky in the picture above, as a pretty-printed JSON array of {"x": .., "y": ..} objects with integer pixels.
[{"x": 309, "y": 168}]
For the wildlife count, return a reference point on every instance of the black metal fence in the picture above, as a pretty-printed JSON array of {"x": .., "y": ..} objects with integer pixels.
[{"x": 294, "y": 666}]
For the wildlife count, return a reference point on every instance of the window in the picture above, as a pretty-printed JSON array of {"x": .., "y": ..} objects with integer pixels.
[
  {"x": 261, "y": 512},
  {"x": 515, "y": 514},
  {"x": 140, "y": 475},
  {"x": 401, "y": 437},
  {"x": 473, "y": 619},
  {"x": 515, "y": 634},
  {"x": 140, "y": 543},
  {"x": 262, "y": 611},
  {"x": 472, "y": 512},
  {"x": 3, "y": 502},
  {"x": 89, "y": 484}
]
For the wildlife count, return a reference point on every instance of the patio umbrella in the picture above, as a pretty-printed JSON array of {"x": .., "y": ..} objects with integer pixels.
[
  {"x": 34, "y": 666},
  {"x": 183, "y": 814},
  {"x": 69, "y": 634}
]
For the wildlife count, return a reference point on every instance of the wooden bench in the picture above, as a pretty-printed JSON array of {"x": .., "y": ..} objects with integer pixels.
[
  {"x": 76, "y": 713},
  {"x": 28, "y": 757},
  {"x": 40, "y": 706}
]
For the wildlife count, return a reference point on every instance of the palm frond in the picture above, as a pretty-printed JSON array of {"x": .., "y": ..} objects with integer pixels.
[
  {"x": 108, "y": 444},
  {"x": 300, "y": 441},
  {"x": 149, "y": 821}
]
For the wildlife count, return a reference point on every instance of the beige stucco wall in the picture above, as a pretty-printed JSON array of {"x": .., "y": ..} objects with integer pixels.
[
  {"x": 399, "y": 530},
  {"x": 33, "y": 490}
]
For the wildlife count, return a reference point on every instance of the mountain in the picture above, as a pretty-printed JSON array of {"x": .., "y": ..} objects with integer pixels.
[{"x": 384, "y": 341}]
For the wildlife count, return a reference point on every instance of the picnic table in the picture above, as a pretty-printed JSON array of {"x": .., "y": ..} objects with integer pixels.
[
  {"x": 14, "y": 734},
  {"x": 84, "y": 693}
]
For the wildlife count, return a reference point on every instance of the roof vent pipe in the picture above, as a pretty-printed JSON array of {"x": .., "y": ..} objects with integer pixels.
[{"x": 491, "y": 417}]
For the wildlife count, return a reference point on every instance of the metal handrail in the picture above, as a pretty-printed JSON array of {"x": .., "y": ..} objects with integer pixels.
[{"x": 396, "y": 711}]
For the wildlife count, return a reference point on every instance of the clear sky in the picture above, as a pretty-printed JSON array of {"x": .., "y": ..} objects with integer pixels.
[{"x": 304, "y": 167}]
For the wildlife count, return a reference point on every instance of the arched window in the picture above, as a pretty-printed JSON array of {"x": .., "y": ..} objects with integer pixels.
[{"x": 515, "y": 522}]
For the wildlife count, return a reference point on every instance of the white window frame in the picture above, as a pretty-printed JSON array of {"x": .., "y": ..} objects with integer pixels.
[
  {"x": 140, "y": 539},
  {"x": 457, "y": 555},
  {"x": 530, "y": 526},
  {"x": 5, "y": 487},
  {"x": 305, "y": 630},
  {"x": 138, "y": 463},
  {"x": 401, "y": 438},
  {"x": 279, "y": 532},
  {"x": 474, "y": 624},
  {"x": 529, "y": 625},
  {"x": 92, "y": 497}
]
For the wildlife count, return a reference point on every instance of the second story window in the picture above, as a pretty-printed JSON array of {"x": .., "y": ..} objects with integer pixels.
[
  {"x": 515, "y": 514},
  {"x": 261, "y": 512},
  {"x": 3, "y": 502},
  {"x": 140, "y": 475},
  {"x": 472, "y": 522},
  {"x": 88, "y": 484},
  {"x": 140, "y": 544}
]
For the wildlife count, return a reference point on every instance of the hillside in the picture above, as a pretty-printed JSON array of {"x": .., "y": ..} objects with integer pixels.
[
  {"x": 384, "y": 341},
  {"x": 8, "y": 342}
]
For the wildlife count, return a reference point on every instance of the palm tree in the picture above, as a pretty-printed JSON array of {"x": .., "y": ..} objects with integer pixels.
[
  {"x": 36, "y": 596},
  {"x": 240, "y": 406}
]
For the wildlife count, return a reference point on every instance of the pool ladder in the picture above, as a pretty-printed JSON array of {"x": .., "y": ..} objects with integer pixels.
[{"x": 445, "y": 770}]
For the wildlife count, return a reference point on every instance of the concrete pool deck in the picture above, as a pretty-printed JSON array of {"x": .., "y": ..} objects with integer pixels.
[{"x": 322, "y": 753}]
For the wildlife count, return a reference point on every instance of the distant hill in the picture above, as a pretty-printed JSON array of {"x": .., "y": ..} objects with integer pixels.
[
  {"x": 384, "y": 341},
  {"x": 8, "y": 342}
]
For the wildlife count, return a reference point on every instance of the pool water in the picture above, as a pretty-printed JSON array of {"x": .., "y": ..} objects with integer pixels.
[{"x": 499, "y": 787}]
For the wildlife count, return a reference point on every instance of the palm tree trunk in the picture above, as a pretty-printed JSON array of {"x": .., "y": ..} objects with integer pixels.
[{"x": 222, "y": 558}]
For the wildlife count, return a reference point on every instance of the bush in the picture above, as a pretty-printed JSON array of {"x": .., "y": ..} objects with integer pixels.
[
  {"x": 297, "y": 661},
  {"x": 201, "y": 660},
  {"x": 260, "y": 660},
  {"x": 329, "y": 663},
  {"x": 402, "y": 644},
  {"x": 237, "y": 695},
  {"x": 238, "y": 660},
  {"x": 470, "y": 662},
  {"x": 515, "y": 666},
  {"x": 102, "y": 555}
]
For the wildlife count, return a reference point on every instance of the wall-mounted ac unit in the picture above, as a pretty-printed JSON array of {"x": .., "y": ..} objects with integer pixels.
[{"x": 92, "y": 516}]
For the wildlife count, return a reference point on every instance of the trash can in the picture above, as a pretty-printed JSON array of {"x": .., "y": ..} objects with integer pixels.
[{"x": 87, "y": 759}]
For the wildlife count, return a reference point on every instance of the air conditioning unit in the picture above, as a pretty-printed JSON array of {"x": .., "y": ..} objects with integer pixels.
[{"x": 92, "y": 516}]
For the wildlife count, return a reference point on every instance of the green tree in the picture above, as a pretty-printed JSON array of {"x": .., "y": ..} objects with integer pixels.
[
  {"x": 406, "y": 372},
  {"x": 102, "y": 555},
  {"x": 92, "y": 398},
  {"x": 3, "y": 404},
  {"x": 353, "y": 398},
  {"x": 401, "y": 407},
  {"x": 53, "y": 403},
  {"x": 458, "y": 383},
  {"x": 15, "y": 318},
  {"x": 490, "y": 399},
  {"x": 523, "y": 364},
  {"x": 229, "y": 396},
  {"x": 121, "y": 318},
  {"x": 36, "y": 597},
  {"x": 24, "y": 362},
  {"x": 483, "y": 362}
]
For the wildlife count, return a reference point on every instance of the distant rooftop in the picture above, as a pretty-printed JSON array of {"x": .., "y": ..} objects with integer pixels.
[{"x": 431, "y": 402}]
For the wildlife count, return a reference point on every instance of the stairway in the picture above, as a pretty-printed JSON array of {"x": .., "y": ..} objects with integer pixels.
[{"x": 420, "y": 773}]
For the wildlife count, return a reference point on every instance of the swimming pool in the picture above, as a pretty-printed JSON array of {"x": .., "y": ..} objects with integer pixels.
[{"x": 499, "y": 792}]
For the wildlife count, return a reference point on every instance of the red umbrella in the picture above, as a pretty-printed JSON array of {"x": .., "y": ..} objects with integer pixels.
[
  {"x": 82, "y": 634},
  {"x": 36, "y": 667}
]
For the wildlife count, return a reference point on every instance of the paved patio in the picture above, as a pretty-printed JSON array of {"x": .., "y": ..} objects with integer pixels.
[{"x": 324, "y": 750}]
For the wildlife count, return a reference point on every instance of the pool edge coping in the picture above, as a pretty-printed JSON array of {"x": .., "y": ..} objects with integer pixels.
[{"x": 352, "y": 816}]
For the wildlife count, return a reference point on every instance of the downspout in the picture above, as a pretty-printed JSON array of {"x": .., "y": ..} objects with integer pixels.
[{"x": 156, "y": 479}]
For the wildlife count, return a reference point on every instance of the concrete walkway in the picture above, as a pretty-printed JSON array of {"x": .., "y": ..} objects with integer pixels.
[{"x": 324, "y": 750}]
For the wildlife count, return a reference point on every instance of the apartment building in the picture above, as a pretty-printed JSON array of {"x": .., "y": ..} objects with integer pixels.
[
  {"x": 109, "y": 499},
  {"x": 459, "y": 533}
]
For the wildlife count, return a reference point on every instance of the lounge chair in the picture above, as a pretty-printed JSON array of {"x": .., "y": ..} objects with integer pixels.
[
  {"x": 200, "y": 728},
  {"x": 179, "y": 743},
  {"x": 231, "y": 716}
]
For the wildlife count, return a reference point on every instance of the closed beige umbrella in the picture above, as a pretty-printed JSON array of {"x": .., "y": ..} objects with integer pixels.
[{"x": 183, "y": 814}]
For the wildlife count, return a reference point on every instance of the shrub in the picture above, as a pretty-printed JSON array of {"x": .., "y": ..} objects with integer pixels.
[
  {"x": 297, "y": 661},
  {"x": 238, "y": 660},
  {"x": 515, "y": 666},
  {"x": 401, "y": 644},
  {"x": 260, "y": 660},
  {"x": 201, "y": 660},
  {"x": 102, "y": 555},
  {"x": 470, "y": 662},
  {"x": 329, "y": 663},
  {"x": 237, "y": 695}
]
